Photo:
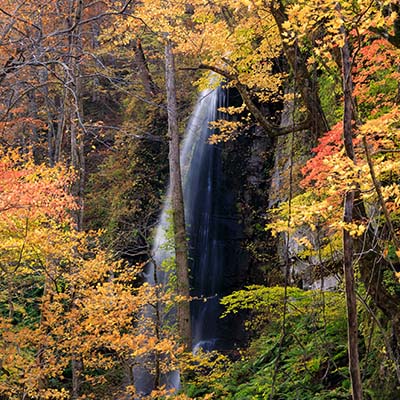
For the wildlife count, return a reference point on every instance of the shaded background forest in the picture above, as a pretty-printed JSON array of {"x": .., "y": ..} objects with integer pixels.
[{"x": 314, "y": 121}]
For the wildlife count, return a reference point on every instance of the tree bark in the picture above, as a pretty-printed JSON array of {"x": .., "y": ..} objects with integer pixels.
[
  {"x": 76, "y": 112},
  {"x": 305, "y": 83},
  {"x": 181, "y": 247},
  {"x": 348, "y": 245},
  {"x": 77, "y": 368},
  {"x": 149, "y": 86},
  {"x": 77, "y": 149}
]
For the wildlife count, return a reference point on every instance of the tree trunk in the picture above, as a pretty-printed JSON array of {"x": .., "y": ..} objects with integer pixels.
[
  {"x": 76, "y": 113},
  {"x": 33, "y": 135},
  {"x": 305, "y": 83},
  {"x": 77, "y": 368},
  {"x": 181, "y": 247},
  {"x": 149, "y": 86},
  {"x": 348, "y": 249}
]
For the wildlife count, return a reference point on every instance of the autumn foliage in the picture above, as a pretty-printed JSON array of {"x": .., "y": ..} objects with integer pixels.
[
  {"x": 81, "y": 82},
  {"x": 63, "y": 300}
]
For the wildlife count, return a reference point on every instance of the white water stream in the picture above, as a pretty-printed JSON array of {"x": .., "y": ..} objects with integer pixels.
[{"x": 193, "y": 147}]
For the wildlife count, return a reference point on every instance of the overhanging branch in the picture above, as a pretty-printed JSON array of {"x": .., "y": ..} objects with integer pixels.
[{"x": 271, "y": 129}]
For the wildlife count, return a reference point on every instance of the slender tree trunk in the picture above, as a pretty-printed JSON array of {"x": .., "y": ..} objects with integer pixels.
[
  {"x": 61, "y": 105},
  {"x": 10, "y": 297},
  {"x": 158, "y": 326},
  {"x": 351, "y": 301},
  {"x": 304, "y": 80},
  {"x": 43, "y": 76},
  {"x": 75, "y": 102},
  {"x": 77, "y": 368},
  {"x": 149, "y": 86},
  {"x": 76, "y": 112},
  {"x": 181, "y": 247},
  {"x": 33, "y": 138},
  {"x": 348, "y": 249}
]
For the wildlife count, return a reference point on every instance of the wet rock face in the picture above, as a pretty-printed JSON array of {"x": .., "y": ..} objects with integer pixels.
[
  {"x": 249, "y": 162},
  {"x": 290, "y": 155}
]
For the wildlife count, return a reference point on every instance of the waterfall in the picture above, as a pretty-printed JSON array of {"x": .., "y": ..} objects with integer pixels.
[
  {"x": 201, "y": 179},
  {"x": 213, "y": 233},
  {"x": 193, "y": 147}
]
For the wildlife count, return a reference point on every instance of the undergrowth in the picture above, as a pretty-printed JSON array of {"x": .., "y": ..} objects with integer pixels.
[{"x": 297, "y": 355}]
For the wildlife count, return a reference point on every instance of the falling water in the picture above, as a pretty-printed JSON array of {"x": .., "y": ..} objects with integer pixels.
[
  {"x": 213, "y": 232},
  {"x": 193, "y": 146}
]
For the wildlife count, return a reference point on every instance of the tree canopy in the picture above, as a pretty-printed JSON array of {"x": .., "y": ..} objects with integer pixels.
[{"x": 93, "y": 94}]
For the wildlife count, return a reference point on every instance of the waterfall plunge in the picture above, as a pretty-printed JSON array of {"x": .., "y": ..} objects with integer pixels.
[
  {"x": 200, "y": 162},
  {"x": 213, "y": 233}
]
